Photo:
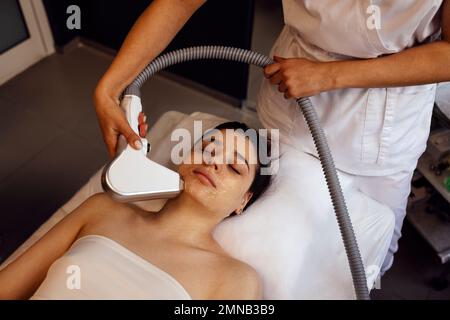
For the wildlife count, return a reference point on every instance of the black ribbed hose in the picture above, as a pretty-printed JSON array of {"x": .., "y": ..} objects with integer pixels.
[{"x": 334, "y": 187}]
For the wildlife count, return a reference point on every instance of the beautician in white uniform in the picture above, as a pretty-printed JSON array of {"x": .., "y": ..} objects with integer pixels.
[
  {"x": 368, "y": 66},
  {"x": 353, "y": 58}
]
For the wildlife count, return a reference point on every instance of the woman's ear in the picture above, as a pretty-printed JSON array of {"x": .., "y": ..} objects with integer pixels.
[{"x": 245, "y": 199}]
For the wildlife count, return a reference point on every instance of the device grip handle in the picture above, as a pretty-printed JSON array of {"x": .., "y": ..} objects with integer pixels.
[{"x": 131, "y": 105}]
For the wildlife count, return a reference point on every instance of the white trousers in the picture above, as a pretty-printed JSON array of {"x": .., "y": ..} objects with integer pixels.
[{"x": 393, "y": 191}]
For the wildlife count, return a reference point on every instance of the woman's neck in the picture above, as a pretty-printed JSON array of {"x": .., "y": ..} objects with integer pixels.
[{"x": 185, "y": 219}]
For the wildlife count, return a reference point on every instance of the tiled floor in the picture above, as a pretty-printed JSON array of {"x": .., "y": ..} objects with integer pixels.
[{"x": 50, "y": 145}]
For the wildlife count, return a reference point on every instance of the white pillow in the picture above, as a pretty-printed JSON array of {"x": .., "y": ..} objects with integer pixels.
[{"x": 290, "y": 235}]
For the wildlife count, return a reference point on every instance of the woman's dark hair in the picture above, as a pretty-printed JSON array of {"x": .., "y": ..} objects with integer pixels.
[{"x": 261, "y": 181}]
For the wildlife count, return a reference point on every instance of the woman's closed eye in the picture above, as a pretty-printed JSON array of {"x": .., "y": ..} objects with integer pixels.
[
  {"x": 241, "y": 169},
  {"x": 235, "y": 170}
]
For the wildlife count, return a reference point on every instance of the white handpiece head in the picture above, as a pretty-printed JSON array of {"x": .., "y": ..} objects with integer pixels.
[{"x": 131, "y": 176}]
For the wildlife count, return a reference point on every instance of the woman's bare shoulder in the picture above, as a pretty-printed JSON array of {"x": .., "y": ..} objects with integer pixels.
[
  {"x": 99, "y": 199},
  {"x": 100, "y": 203},
  {"x": 240, "y": 281},
  {"x": 100, "y": 208}
]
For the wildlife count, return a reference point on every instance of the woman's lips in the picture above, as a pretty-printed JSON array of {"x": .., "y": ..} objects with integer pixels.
[{"x": 204, "y": 177}]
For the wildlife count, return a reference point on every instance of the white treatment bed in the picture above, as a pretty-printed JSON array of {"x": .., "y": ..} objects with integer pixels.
[{"x": 290, "y": 235}]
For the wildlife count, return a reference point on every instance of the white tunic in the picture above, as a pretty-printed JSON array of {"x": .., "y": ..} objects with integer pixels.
[
  {"x": 106, "y": 270},
  {"x": 371, "y": 132}
]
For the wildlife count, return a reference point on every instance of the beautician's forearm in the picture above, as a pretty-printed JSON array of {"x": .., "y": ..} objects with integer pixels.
[
  {"x": 428, "y": 63},
  {"x": 150, "y": 35}
]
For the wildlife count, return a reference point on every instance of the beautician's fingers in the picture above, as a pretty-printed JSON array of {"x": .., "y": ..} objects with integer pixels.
[
  {"x": 276, "y": 78},
  {"x": 143, "y": 129},
  {"x": 282, "y": 87},
  {"x": 271, "y": 69},
  {"x": 132, "y": 138},
  {"x": 113, "y": 123},
  {"x": 111, "y": 140},
  {"x": 142, "y": 126},
  {"x": 142, "y": 118},
  {"x": 287, "y": 95}
]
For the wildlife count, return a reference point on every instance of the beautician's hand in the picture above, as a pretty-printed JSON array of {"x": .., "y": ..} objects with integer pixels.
[
  {"x": 299, "y": 77},
  {"x": 149, "y": 36},
  {"x": 113, "y": 123},
  {"x": 143, "y": 126}
]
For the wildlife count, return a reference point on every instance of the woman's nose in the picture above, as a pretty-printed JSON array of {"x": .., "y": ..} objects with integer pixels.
[{"x": 212, "y": 159}]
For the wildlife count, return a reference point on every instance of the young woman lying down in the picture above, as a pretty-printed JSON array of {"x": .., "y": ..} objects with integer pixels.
[{"x": 110, "y": 250}]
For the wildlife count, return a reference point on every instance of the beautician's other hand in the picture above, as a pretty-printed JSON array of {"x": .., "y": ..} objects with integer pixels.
[
  {"x": 113, "y": 123},
  {"x": 299, "y": 77}
]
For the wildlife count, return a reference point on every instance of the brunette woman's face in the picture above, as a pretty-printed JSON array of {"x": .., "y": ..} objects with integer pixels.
[{"x": 222, "y": 179}]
